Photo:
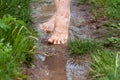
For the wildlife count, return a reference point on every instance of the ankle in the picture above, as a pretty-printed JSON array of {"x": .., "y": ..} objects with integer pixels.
[{"x": 63, "y": 13}]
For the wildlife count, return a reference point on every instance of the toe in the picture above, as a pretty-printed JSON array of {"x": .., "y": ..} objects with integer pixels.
[
  {"x": 55, "y": 41},
  {"x": 50, "y": 40},
  {"x": 45, "y": 27},
  {"x": 59, "y": 41},
  {"x": 62, "y": 41}
]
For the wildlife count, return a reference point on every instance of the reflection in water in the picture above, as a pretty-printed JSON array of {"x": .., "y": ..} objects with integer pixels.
[
  {"x": 75, "y": 71},
  {"x": 42, "y": 57}
]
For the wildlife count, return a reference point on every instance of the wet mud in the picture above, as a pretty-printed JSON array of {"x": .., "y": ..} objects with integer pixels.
[{"x": 54, "y": 62}]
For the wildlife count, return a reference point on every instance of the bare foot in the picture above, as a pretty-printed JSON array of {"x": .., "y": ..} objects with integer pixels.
[
  {"x": 60, "y": 34},
  {"x": 49, "y": 25}
]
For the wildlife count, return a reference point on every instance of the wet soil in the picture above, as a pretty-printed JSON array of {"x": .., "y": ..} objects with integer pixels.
[{"x": 54, "y": 62}]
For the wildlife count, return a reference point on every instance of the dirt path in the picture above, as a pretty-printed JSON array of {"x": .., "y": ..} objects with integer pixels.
[{"x": 58, "y": 64}]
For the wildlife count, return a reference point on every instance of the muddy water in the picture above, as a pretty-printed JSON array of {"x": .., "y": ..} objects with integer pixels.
[{"x": 53, "y": 62}]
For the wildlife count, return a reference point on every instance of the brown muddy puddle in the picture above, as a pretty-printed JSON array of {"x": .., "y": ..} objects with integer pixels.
[
  {"x": 53, "y": 62},
  {"x": 58, "y": 65}
]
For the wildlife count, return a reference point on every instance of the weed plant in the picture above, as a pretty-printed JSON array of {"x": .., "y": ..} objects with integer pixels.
[
  {"x": 79, "y": 47},
  {"x": 105, "y": 65},
  {"x": 16, "y": 43}
]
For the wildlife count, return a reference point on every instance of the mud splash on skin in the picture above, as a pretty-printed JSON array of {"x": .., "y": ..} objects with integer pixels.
[{"x": 53, "y": 62}]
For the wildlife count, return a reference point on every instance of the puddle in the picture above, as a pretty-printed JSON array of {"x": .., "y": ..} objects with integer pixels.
[
  {"x": 77, "y": 70},
  {"x": 53, "y": 62}
]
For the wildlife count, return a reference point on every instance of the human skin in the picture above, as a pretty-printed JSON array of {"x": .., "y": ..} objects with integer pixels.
[
  {"x": 50, "y": 24},
  {"x": 58, "y": 25}
]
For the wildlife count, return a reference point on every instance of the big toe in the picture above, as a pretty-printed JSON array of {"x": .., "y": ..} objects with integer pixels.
[{"x": 50, "y": 40}]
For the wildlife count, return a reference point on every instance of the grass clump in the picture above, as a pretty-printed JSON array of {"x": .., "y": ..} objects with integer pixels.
[
  {"x": 16, "y": 38},
  {"x": 19, "y": 9},
  {"x": 114, "y": 41},
  {"x": 15, "y": 44},
  {"x": 8, "y": 68},
  {"x": 79, "y": 47},
  {"x": 105, "y": 65},
  {"x": 107, "y": 7}
]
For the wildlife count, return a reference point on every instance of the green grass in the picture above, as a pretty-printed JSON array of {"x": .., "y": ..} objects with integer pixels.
[
  {"x": 79, "y": 47},
  {"x": 106, "y": 8},
  {"x": 8, "y": 68},
  {"x": 114, "y": 41},
  {"x": 16, "y": 43},
  {"x": 82, "y": 1},
  {"x": 105, "y": 65},
  {"x": 16, "y": 39},
  {"x": 19, "y": 9}
]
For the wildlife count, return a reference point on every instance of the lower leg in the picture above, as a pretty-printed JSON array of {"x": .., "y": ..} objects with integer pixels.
[{"x": 56, "y": 2}]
